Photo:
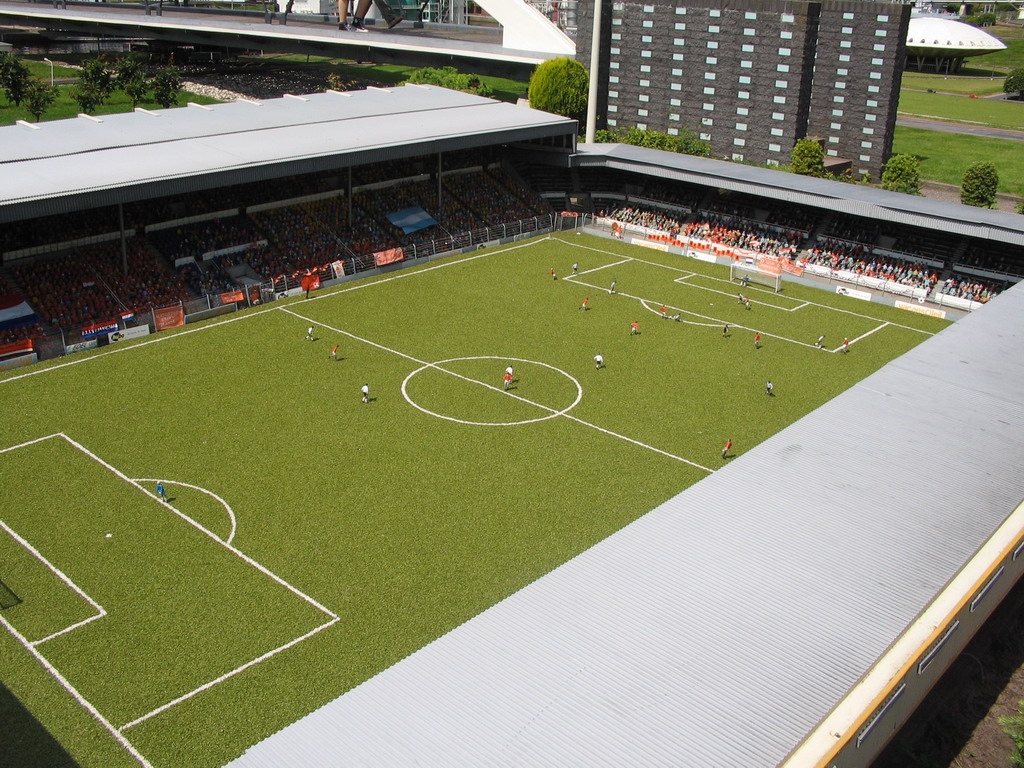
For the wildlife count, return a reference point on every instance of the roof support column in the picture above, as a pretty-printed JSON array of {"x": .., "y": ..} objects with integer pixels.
[
  {"x": 348, "y": 199},
  {"x": 124, "y": 244},
  {"x": 438, "y": 184}
]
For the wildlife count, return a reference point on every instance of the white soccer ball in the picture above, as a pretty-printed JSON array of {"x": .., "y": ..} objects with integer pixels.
[{"x": 110, "y": 535}]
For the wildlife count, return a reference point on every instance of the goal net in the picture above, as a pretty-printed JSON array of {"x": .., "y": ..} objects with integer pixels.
[{"x": 749, "y": 273}]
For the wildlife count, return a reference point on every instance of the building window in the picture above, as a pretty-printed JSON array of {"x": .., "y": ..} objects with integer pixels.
[
  {"x": 839, "y": 99},
  {"x": 615, "y": 51},
  {"x": 642, "y": 112},
  {"x": 778, "y": 116},
  {"x": 705, "y": 137},
  {"x": 617, "y": 22},
  {"x": 880, "y": 47},
  {"x": 646, "y": 83},
  {"x": 883, "y": 19},
  {"x": 613, "y": 79},
  {"x": 645, "y": 54},
  {"x": 842, "y": 72},
  {"x": 675, "y": 102},
  {"x": 737, "y": 157},
  {"x": 779, "y": 99},
  {"x": 871, "y": 103},
  {"x": 612, "y": 123},
  {"x": 740, "y": 142},
  {"x": 741, "y": 126},
  {"x": 714, "y": 14},
  {"x": 674, "y": 117},
  {"x": 836, "y": 126},
  {"x": 837, "y": 113},
  {"x": 742, "y": 111},
  {"x": 785, "y": 52},
  {"x": 743, "y": 80},
  {"x": 714, "y": 29},
  {"x": 612, "y": 108},
  {"x": 788, "y": 18},
  {"x": 677, "y": 73},
  {"x": 642, "y": 126},
  {"x": 750, "y": 16},
  {"x": 774, "y": 148},
  {"x": 782, "y": 84},
  {"x": 868, "y": 131},
  {"x": 648, "y": 9},
  {"x": 676, "y": 87},
  {"x": 866, "y": 144},
  {"x": 747, "y": 64},
  {"x": 877, "y": 62},
  {"x": 865, "y": 158},
  {"x": 769, "y": 161},
  {"x": 645, "y": 68},
  {"x": 875, "y": 75},
  {"x": 673, "y": 131},
  {"x": 847, "y": 16},
  {"x": 709, "y": 91},
  {"x": 707, "y": 121},
  {"x": 710, "y": 60},
  {"x": 749, "y": 32},
  {"x": 833, "y": 140},
  {"x": 874, "y": 89},
  {"x": 880, "y": 33},
  {"x": 782, "y": 68},
  {"x": 709, "y": 75},
  {"x": 643, "y": 97},
  {"x": 743, "y": 94},
  {"x": 648, "y": 24},
  {"x": 712, "y": 44},
  {"x": 680, "y": 11},
  {"x": 677, "y": 57},
  {"x": 786, "y": 35},
  {"x": 616, "y": 36},
  {"x": 613, "y": 94},
  {"x": 777, "y": 132},
  {"x": 847, "y": 30},
  {"x": 840, "y": 85},
  {"x": 844, "y": 58},
  {"x": 709, "y": 107},
  {"x": 747, "y": 48},
  {"x": 845, "y": 44},
  {"x": 679, "y": 41},
  {"x": 681, "y": 26},
  {"x": 613, "y": 65}
]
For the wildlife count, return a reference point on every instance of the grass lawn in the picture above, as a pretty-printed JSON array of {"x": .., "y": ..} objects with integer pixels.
[
  {"x": 65, "y": 106},
  {"x": 981, "y": 86},
  {"x": 994, "y": 113},
  {"x": 945, "y": 156},
  {"x": 352, "y": 534}
]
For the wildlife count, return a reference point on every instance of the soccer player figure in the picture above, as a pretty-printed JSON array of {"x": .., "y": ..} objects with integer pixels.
[
  {"x": 575, "y": 268},
  {"x": 846, "y": 345},
  {"x": 508, "y": 380},
  {"x": 334, "y": 352},
  {"x": 634, "y": 328},
  {"x": 612, "y": 288},
  {"x": 553, "y": 275},
  {"x": 819, "y": 342},
  {"x": 664, "y": 309},
  {"x": 746, "y": 303},
  {"x": 677, "y": 317},
  {"x": 739, "y": 298},
  {"x": 309, "y": 333},
  {"x": 365, "y": 389},
  {"x": 725, "y": 330},
  {"x": 161, "y": 492},
  {"x": 509, "y": 370},
  {"x": 584, "y": 306},
  {"x": 769, "y": 388},
  {"x": 757, "y": 341},
  {"x": 725, "y": 450},
  {"x": 745, "y": 280},
  {"x": 598, "y": 362}
]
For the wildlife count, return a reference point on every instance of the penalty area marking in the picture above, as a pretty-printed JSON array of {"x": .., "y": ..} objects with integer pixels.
[
  {"x": 437, "y": 366},
  {"x": 227, "y": 507}
]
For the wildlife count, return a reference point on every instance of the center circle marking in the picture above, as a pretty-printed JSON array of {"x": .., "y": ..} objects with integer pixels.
[{"x": 552, "y": 415}]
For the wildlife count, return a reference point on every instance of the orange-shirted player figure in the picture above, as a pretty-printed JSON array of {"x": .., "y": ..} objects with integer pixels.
[
  {"x": 334, "y": 352},
  {"x": 553, "y": 275},
  {"x": 757, "y": 341},
  {"x": 846, "y": 345},
  {"x": 508, "y": 380},
  {"x": 664, "y": 309},
  {"x": 725, "y": 450},
  {"x": 584, "y": 306},
  {"x": 634, "y": 328}
]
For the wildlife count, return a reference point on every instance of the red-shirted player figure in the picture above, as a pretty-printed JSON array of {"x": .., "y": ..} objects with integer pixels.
[
  {"x": 334, "y": 352},
  {"x": 508, "y": 380},
  {"x": 584, "y": 306},
  {"x": 728, "y": 446},
  {"x": 634, "y": 328},
  {"x": 757, "y": 341},
  {"x": 553, "y": 275},
  {"x": 846, "y": 345}
]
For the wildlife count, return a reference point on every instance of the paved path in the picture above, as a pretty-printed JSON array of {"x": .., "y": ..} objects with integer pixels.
[{"x": 972, "y": 130}]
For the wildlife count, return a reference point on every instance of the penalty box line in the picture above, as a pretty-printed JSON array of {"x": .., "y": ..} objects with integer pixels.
[
  {"x": 497, "y": 389},
  {"x": 334, "y": 618}
]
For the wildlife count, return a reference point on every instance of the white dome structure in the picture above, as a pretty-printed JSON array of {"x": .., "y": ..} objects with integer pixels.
[{"x": 942, "y": 44}]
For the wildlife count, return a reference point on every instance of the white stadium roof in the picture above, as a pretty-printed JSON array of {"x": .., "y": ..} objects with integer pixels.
[{"x": 938, "y": 36}]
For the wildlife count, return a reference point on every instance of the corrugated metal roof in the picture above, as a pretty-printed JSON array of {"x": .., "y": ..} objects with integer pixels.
[
  {"x": 60, "y": 165},
  {"x": 835, "y": 196},
  {"x": 720, "y": 628}
]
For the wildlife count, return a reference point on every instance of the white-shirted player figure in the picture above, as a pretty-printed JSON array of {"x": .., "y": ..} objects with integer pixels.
[
  {"x": 612, "y": 288},
  {"x": 309, "y": 333},
  {"x": 365, "y": 389},
  {"x": 599, "y": 361},
  {"x": 575, "y": 268},
  {"x": 769, "y": 388},
  {"x": 819, "y": 342}
]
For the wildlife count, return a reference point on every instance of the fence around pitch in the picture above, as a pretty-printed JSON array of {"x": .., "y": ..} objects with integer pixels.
[{"x": 211, "y": 305}]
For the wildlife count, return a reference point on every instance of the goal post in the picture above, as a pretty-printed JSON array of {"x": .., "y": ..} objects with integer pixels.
[{"x": 739, "y": 270}]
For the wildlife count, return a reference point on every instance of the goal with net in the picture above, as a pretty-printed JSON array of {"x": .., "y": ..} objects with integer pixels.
[{"x": 739, "y": 270}]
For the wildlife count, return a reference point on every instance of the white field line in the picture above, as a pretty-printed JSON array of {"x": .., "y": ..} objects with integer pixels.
[
  {"x": 496, "y": 389},
  {"x": 76, "y": 695},
  {"x": 862, "y": 336},
  {"x": 30, "y": 442},
  {"x": 262, "y": 569},
  {"x": 227, "y": 507},
  {"x": 166, "y": 337},
  {"x": 100, "y": 612},
  {"x": 722, "y": 280},
  {"x": 597, "y": 269},
  {"x": 232, "y": 673}
]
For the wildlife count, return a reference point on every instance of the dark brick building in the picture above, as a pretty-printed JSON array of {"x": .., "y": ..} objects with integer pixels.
[{"x": 753, "y": 76}]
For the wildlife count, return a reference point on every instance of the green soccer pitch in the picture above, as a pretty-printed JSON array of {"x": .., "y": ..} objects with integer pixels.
[{"x": 310, "y": 540}]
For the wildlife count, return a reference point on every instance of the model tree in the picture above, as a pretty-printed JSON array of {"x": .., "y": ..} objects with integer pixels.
[
  {"x": 39, "y": 97},
  {"x": 14, "y": 78},
  {"x": 902, "y": 173},
  {"x": 560, "y": 86},
  {"x": 981, "y": 180},
  {"x": 1014, "y": 83},
  {"x": 808, "y": 158}
]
